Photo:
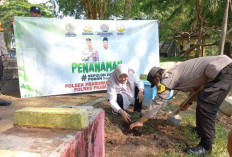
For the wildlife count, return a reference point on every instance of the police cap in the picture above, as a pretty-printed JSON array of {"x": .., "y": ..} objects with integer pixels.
[{"x": 35, "y": 9}]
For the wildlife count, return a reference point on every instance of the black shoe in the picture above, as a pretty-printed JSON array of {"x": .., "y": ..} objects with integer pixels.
[
  {"x": 198, "y": 150},
  {"x": 5, "y": 103}
]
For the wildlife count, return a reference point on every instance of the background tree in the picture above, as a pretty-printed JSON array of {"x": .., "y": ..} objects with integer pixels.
[
  {"x": 181, "y": 16},
  {"x": 127, "y": 11},
  {"x": 11, "y": 8},
  {"x": 224, "y": 27},
  {"x": 204, "y": 17},
  {"x": 96, "y": 9}
]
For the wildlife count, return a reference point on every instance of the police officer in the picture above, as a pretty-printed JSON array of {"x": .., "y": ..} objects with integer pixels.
[
  {"x": 90, "y": 54},
  {"x": 212, "y": 72},
  {"x": 35, "y": 12},
  {"x": 3, "y": 52}
]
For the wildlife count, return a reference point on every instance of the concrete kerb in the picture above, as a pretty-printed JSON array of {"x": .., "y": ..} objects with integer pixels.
[
  {"x": 64, "y": 143},
  {"x": 47, "y": 117},
  {"x": 92, "y": 112}
]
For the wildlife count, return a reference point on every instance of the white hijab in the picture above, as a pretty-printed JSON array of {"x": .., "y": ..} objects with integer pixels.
[{"x": 128, "y": 86}]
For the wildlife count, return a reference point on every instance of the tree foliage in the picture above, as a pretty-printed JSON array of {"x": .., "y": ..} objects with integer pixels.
[
  {"x": 11, "y": 8},
  {"x": 173, "y": 16},
  {"x": 203, "y": 16},
  {"x": 91, "y": 9}
]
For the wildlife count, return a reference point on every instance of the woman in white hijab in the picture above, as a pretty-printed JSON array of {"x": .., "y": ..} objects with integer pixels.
[{"x": 123, "y": 89}]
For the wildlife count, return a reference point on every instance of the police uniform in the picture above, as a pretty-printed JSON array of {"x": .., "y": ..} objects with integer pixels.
[
  {"x": 3, "y": 50},
  {"x": 87, "y": 52},
  {"x": 215, "y": 73}
]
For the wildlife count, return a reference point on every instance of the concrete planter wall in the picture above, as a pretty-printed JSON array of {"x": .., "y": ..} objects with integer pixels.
[{"x": 226, "y": 106}]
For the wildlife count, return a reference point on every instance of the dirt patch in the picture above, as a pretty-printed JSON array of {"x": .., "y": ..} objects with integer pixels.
[{"x": 155, "y": 138}]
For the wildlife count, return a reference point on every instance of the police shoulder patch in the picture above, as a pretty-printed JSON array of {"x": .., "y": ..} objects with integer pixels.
[{"x": 160, "y": 88}]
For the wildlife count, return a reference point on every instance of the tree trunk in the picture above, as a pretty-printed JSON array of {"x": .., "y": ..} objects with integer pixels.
[
  {"x": 191, "y": 49},
  {"x": 95, "y": 10},
  {"x": 127, "y": 11},
  {"x": 200, "y": 22},
  {"x": 102, "y": 10},
  {"x": 225, "y": 19},
  {"x": 227, "y": 49},
  {"x": 88, "y": 9},
  {"x": 108, "y": 10},
  {"x": 202, "y": 51},
  {"x": 230, "y": 6},
  {"x": 198, "y": 51},
  {"x": 196, "y": 46},
  {"x": 197, "y": 5}
]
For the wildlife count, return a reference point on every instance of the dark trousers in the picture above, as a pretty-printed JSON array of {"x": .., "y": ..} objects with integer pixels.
[
  {"x": 1, "y": 68},
  {"x": 137, "y": 105},
  {"x": 209, "y": 101}
]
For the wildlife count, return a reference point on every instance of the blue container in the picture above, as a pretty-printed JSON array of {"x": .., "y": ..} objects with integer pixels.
[
  {"x": 149, "y": 93},
  {"x": 11, "y": 54}
]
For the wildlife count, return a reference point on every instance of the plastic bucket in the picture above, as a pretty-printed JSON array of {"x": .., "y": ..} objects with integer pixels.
[{"x": 149, "y": 93}]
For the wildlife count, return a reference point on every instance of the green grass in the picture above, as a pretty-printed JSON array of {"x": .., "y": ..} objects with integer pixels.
[
  {"x": 171, "y": 59},
  {"x": 174, "y": 59},
  {"x": 135, "y": 117},
  {"x": 146, "y": 129},
  {"x": 189, "y": 118},
  {"x": 220, "y": 143},
  {"x": 143, "y": 77}
]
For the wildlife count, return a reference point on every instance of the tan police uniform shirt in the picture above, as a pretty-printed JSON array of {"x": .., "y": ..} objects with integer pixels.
[
  {"x": 188, "y": 76},
  {"x": 3, "y": 49}
]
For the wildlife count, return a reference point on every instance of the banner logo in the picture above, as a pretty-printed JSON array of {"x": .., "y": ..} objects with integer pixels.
[
  {"x": 87, "y": 30},
  {"x": 70, "y": 30},
  {"x": 105, "y": 29},
  {"x": 120, "y": 29}
]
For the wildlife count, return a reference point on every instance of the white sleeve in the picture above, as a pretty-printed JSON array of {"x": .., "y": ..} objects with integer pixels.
[
  {"x": 137, "y": 81},
  {"x": 112, "y": 96}
]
